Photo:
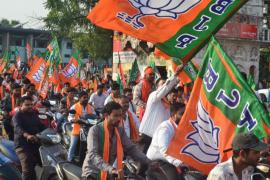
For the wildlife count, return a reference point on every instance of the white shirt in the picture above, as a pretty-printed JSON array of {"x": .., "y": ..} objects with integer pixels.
[
  {"x": 224, "y": 171},
  {"x": 160, "y": 142},
  {"x": 156, "y": 112},
  {"x": 98, "y": 101},
  {"x": 127, "y": 125},
  {"x": 131, "y": 107},
  {"x": 108, "y": 99}
]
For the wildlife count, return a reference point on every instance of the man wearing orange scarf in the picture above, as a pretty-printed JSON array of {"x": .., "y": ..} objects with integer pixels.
[
  {"x": 131, "y": 122},
  {"x": 143, "y": 90},
  {"x": 82, "y": 108},
  {"x": 107, "y": 143}
]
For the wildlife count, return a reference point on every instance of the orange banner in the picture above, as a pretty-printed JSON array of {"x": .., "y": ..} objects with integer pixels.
[{"x": 195, "y": 123}]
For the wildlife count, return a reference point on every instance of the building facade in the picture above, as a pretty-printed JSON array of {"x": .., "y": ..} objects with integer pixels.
[
  {"x": 243, "y": 36},
  {"x": 12, "y": 38}
]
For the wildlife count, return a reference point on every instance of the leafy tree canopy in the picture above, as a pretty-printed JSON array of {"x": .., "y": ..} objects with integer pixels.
[
  {"x": 7, "y": 23},
  {"x": 67, "y": 18}
]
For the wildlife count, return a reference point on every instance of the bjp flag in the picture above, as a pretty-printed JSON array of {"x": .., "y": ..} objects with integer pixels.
[
  {"x": 179, "y": 28},
  {"x": 222, "y": 104},
  {"x": 189, "y": 72},
  {"x": 37, "y": 72}
]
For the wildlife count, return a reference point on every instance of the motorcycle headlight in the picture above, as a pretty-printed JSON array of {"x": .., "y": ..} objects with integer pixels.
[{"x": 55, "y": 138}]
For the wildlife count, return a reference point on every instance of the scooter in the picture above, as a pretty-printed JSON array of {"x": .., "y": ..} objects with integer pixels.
[
  {"x": 51, "y": 152},
  {"x": 167, "y": 171},
  {"x": 85, "y": 122},
  {"x": 7, "y": 149},
  {"x": 8, "y": 170}
]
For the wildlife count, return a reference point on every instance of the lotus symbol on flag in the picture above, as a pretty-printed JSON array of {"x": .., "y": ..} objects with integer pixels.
[
  {"x": 39, "y": 73},
  {"x": 159, "y": 8},
  {"x": 205, "y": 138},
  {"x": 70, "y": 72}
]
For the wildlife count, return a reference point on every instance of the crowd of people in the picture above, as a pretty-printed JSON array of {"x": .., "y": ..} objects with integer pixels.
[{"x": 138, "y": 121}]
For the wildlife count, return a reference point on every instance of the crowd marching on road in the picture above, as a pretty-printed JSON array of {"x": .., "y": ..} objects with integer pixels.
[{"x": 105, "y": 133}]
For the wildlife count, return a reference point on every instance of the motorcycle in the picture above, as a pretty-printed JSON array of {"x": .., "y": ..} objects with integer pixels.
[
  {"x": 51, "y": 152},
  {"x": 8, "y": 170},
  {"x": 86, "y": 123},
  {"x": 7, "y": 149},
  {"x": 167, "y": 171},
  {"x": 262, "y": 170}
]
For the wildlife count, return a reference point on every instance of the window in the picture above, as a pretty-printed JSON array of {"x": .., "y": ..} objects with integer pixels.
[
  {"x": 18, "y": 42},
  {"x": 69, "y": 45},
  {"x": 67, "y": 56},
  {"x": 41, "y": 44}
]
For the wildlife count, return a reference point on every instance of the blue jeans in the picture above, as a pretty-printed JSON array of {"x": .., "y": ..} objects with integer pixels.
[{"x": 72, "y": 148}]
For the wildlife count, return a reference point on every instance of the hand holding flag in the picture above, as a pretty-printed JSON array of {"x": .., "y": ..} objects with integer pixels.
[{"x": 179, "y": 69}]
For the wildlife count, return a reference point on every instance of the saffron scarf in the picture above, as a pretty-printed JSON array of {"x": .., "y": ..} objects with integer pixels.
[
  {"x": 134, "y": 135},
  {"x": 13, "y": 102},
  {"x": 105, "y": 147},
  {"x": 1, "y": 92},
  {"x": 79, "y": 111}
]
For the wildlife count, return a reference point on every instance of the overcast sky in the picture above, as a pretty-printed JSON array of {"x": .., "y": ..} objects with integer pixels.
[{"x": 25, "y": 11}]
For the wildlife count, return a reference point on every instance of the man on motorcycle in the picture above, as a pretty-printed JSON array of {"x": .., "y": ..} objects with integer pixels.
[
  {"x": 26, "y": 126},
  {"x": 162, "y": 138},
  {"x": 115, "y": 93},
  {"x": 97, "y": 99},
  {"x": 246, "y": 153},
  {"x": 65, "y": 104},
  {"x": 82, "y": 108},
  {"x": 131, "y": 122},
  {"x": 107, "y": 143}
]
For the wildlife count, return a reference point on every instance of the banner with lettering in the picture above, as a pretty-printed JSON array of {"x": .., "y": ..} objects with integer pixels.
[
  {"x": 37, "y": 73},
  {"x": 222, "y": 104},
  {"x": 180, "y": 28}
]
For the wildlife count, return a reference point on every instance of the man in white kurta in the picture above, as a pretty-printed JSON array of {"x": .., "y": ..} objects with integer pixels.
[
  {"x": 164, "y": 134},
  {"x": 158, "y": 108}
]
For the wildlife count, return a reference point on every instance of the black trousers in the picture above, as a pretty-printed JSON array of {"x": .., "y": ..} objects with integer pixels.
[
  {"x": 144, "y": 143},
  {"x": 29, "y": 158},
  {"x": 9, "y": 128}
]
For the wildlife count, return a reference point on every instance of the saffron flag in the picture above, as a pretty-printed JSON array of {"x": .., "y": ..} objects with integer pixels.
[
  {"x": 180, "y": 28},
  {"x": 18, "y": 58},
  {"x": 188, "y": 74},
  {"x": 71, "y": 73},
  {"x": 44, "y": 87},
  {"x": 121, "y": 72},
  {"x": 37, "y": 73},
  {"x": 29, "y": 55},
  {"x": 222, "y": 104}
]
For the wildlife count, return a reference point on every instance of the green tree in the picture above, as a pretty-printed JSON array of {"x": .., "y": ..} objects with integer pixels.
[
  {"x": 7, "y": 23},
  {"x": 264, "y": 76},
  {"x": 67, "y": 18}
]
